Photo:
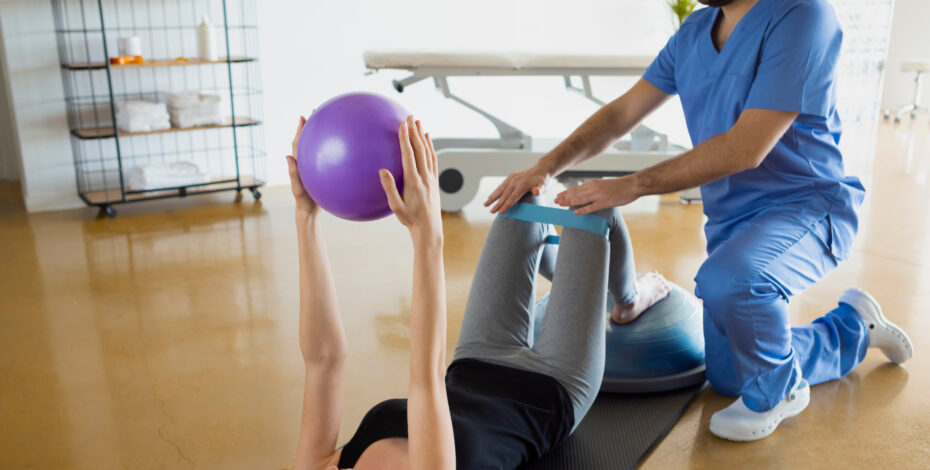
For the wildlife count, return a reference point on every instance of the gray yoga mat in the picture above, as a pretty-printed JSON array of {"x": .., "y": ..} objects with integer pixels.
[{"x": 619, "y": 431}]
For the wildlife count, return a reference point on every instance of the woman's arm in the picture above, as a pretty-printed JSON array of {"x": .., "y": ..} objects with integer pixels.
[
  {"x": 602, "y": 129},
  {"x": 322, "y": 337},
  {"x": 431, "y": 443}
]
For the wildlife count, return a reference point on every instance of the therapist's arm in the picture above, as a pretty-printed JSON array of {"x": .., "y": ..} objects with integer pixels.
[
  {"x": 741, "y": 148},
  {"x": 601, "y": 130}
]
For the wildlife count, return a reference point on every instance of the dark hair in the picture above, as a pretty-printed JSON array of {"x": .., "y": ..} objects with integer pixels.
[{"x": 716, "y": 3}]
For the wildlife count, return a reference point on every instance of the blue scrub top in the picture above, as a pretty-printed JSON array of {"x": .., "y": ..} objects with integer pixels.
[{"x": 781, "y": 56}]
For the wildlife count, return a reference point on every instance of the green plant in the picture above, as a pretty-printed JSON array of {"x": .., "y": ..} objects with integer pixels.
[{"x": 681, "y": 8}]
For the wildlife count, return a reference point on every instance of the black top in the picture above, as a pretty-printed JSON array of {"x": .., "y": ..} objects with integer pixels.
[{"x": 501, "y": 417}]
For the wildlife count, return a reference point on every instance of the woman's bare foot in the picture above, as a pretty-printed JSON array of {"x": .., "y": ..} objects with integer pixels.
[{"x": 652, "y": 287}]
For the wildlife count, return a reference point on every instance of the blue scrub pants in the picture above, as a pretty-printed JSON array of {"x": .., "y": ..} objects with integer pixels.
[{"x": 745, "y": 284}]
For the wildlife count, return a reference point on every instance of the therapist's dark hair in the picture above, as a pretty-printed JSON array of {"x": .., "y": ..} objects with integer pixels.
[{"x": 716, "y": 3}]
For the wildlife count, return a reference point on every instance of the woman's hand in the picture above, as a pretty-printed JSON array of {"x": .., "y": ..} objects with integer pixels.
[
  {"x": 599, "y": 194},
  {"x": 515, "y": 186},
  {"x": 306, "y": 207},
  {"x": 418, "y": 207}
]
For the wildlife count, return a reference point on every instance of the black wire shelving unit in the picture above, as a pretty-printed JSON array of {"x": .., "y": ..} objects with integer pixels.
[{"x": 231, "y": 154}]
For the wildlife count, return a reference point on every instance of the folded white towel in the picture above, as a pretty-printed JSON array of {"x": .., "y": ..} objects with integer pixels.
[
  {"x": 210, "y": 97},
  {"x": 182, "y": 99},
  {"x": 195, "y": 108},
  {"x": 184, "y": 119},
  {"x": 141, "y": 116},
  {"x": 169, "y": 175},
  {"x": 185, "y": 99}
]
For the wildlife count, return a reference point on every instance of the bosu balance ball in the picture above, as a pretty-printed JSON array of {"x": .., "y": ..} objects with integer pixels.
[
  {"x": 661, "y": 350},
  {"x": 342, "y": 147}
]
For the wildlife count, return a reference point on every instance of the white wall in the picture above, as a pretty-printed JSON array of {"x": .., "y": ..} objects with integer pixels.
[
  {"x": 38, "y": 104},
  {"x": 9, "y": 146},
  {"x": 312, "y": 51},
  {"x": 910, "y": 39}
]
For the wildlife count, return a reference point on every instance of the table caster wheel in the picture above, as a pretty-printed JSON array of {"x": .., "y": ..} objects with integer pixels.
[{"x": 256, "y": 194}]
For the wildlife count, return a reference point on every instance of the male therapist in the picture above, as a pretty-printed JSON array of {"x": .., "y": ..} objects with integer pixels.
[{"x": 757, "y": 81}]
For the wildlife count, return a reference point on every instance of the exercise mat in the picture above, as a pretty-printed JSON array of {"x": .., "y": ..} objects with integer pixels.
[{"x": 619, "y": 431}]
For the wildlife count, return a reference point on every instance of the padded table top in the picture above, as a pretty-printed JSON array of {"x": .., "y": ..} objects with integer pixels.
[
  {"x": 510, "y": 61},
  {"x": 916, "y": 66}
]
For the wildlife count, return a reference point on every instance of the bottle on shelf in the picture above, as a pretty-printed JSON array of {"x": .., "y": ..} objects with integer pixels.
[{"x": 206, "y": 40}]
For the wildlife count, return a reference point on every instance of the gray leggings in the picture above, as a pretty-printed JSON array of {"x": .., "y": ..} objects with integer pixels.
[{"x": 498, "y": 323}]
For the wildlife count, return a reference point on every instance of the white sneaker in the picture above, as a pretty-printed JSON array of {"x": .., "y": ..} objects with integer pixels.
[
  {"x": 883, "y": 334},
  {"x": 738, "y": 423}
]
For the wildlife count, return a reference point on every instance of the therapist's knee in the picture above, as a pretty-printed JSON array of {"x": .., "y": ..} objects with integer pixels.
[
  {"x": 723, "y": 277},
  {"x": 720, "y": 370}
]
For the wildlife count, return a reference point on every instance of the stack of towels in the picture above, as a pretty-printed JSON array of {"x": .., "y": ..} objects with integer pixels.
[
  {"x": 141, "y": 116},
  {"x": 195, "y": 108},
  {"x": 165, "y": 175}
]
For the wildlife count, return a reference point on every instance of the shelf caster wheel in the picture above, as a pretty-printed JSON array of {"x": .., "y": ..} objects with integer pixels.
[
  {"x": 897, "y": 120},
  {"x": 256, "y": 194},
  {"x": 886, "y": 114},
  {"x": 109, "y": 210}
]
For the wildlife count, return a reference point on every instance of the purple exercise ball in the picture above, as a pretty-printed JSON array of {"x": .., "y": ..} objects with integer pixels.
[{"x": 343, "y": 145}]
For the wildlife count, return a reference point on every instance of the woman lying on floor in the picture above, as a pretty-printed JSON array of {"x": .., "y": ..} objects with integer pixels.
[{"x": 507, "y": 398}]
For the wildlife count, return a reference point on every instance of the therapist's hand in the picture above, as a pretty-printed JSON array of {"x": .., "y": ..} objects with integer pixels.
[
  {"x": 517, "y": 184},
  {"x": 599, "y": 194}
]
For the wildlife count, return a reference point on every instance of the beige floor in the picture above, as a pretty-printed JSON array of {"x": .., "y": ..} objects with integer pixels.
[{"x": 167, "y": 337}]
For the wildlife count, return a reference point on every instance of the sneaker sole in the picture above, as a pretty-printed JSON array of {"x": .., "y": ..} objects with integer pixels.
[
  {"x": 878, "y": 320},
  {"x": 767, "y": 431}
]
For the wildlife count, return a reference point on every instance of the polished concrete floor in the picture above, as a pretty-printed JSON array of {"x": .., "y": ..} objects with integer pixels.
[{"x": 167, "y": 337}]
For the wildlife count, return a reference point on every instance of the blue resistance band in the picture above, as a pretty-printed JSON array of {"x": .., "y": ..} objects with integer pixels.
[{"x": 561, "y": 217}]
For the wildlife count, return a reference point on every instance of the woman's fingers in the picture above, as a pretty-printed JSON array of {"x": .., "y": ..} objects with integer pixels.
[
  {"x": 390, "y": 190},
  {"x": 297, "y": 186},
  {"x": 419, "y": 147},
  {"x": 292, "y": 169},
  {"x": 433, "y": 159},
  {"x": 300, "y": 128},
  {"x": 406, "y": 152}
]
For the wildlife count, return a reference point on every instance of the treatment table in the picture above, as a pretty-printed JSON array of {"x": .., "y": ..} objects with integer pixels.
[{"x": 464, "y": 161}]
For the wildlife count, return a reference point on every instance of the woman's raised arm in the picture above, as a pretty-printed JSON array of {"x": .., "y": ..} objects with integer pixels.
[
  {"x": 431, "y": 443},
  {"x": 322, "y": 337}
]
